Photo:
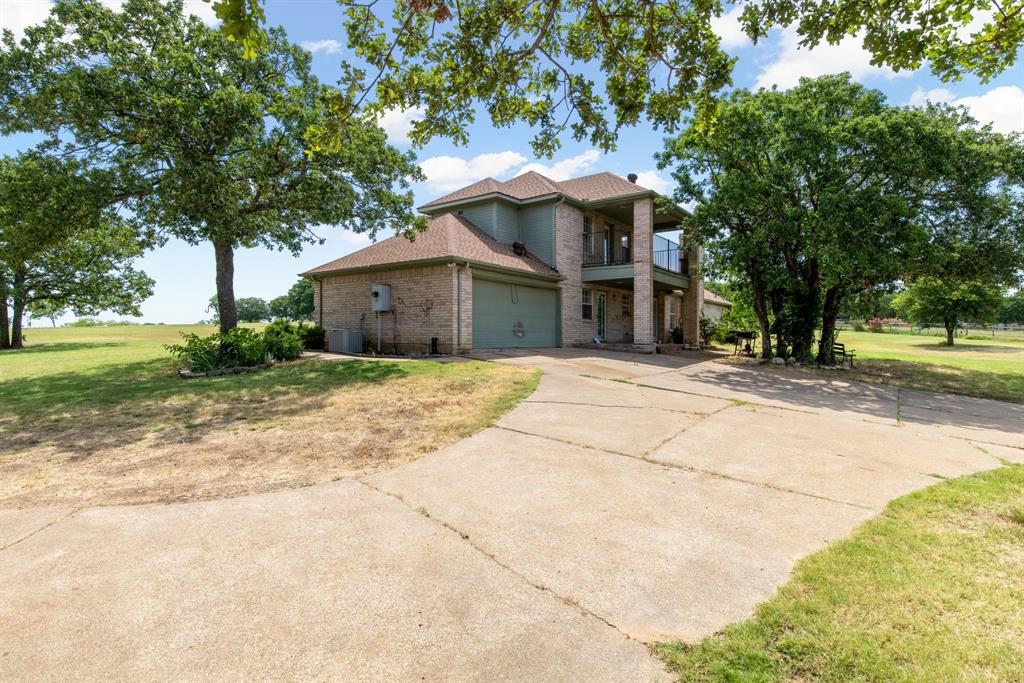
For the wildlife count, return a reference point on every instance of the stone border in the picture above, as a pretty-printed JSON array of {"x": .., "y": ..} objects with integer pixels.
[{"x": 188, "y": 374}]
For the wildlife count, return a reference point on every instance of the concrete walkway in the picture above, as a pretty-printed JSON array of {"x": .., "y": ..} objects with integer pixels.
[{"x": 628, "y": 500}]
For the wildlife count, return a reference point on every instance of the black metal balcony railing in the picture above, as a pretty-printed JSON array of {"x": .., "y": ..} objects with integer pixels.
[{"x": 604, "y": 248}]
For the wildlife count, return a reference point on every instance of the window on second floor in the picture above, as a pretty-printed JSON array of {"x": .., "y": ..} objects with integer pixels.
[{"x": 588, "y": 304}]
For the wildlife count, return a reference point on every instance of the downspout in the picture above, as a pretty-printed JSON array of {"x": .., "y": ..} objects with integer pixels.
[{"x": 458, "y": 308}]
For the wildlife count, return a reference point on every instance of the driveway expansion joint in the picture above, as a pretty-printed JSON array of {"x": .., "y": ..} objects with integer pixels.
[
  {"x": 42, "y": 528},
  {"x": 617, "y": 407},
  {"x": 464, "y": 537},
  {"x": 687, "y": 468}
]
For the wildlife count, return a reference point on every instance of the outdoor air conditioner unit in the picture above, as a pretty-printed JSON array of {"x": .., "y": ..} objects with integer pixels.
[{"x": 345, "y": 341}]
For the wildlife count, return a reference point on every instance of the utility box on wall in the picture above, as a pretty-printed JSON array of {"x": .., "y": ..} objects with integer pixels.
[{"x": 381, "y": 296}]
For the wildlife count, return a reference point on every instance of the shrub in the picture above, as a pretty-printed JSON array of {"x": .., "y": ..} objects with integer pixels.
[
  {"x": 283, "y": 339},
  {"x": 240, "y": 347},
  {"x": 857, "y": 326},
  {"x": 876, "y": 325},
  {"x": 312, "y": 336}
]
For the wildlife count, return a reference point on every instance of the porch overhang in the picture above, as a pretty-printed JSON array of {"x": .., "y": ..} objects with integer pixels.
[{"x": 621, "y": 275}]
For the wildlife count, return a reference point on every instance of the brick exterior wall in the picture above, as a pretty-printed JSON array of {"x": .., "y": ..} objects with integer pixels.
[
  {"x": 693, "y": 297},
  {"x": 346, "y": 296},
  {"x": 643, "y": 277},
  {"x": 462, "y": 316},
  {"x": 568, "y": 262}
]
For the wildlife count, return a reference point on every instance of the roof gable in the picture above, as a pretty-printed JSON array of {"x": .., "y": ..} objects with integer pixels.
[{"x": 530, "y": 185}]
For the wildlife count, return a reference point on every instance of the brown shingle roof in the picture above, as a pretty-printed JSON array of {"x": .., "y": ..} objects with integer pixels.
[
  {"x": 713, "y": 298},
  {"x": 446, "y": 236},
  {"x": 596, "y": 187}
]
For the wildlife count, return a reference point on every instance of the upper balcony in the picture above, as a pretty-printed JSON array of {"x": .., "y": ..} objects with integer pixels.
[
  {"x": 608, "y": 257},
  {"x": 605, "y": 248}
]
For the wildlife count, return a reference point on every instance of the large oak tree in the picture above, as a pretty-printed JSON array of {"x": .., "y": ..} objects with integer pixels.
[
  {"x": 589, "y": 67},
  {"x": 207, "y": 145},
  {"x": 62, "y": 246},
  {"x": 816, "y": 194}
]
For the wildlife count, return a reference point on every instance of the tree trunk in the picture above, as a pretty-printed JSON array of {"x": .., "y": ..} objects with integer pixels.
[
  {"x": 5, "y": 322},
  {"x": 950, "y": 330},
  {"x": 18, "y": 313},
  {"x": 227, "y": 312},
  {"x": 829, "y": 313},
  {"x": 761, "y": 310}
]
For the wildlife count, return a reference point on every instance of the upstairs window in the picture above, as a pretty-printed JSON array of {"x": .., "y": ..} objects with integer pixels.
[
  {"x": 588, "y": 304},
  {"x": 588, "y": 235}
]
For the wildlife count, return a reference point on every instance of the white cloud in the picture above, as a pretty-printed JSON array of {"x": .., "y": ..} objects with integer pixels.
[
  {"x": 203, "y": 10},
  {"x": 794, "y": 62},
  {"x": 17, "y": 15},
  {"x": 1003, "y": 107},
  {"x": 328, "y": 46},
  {"x": 566, "y": 168},
  {"x": 653, "y": 180},
  {"x": 398, "y": 122},
  {"x": 447, "y": 173},
  {"x": 200, "y": 8},
  {"x": 728, "y": 29}
]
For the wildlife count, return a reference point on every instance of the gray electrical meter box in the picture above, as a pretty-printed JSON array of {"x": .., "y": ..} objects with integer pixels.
[{"x": 381, "y": 295}]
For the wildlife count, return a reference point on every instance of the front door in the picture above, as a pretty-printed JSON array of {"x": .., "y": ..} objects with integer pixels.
[{"x": 602, "y": 317}]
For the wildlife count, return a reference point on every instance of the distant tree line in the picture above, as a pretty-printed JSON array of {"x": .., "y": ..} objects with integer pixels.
[{"x": 296, "y": 305}]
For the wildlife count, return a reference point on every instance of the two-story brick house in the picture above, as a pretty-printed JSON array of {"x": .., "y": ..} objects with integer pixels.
[{"x": 528, "y": 262}]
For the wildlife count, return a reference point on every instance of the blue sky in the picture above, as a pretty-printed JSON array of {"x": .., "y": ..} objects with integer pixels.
[{"x": 185, "y": 275}]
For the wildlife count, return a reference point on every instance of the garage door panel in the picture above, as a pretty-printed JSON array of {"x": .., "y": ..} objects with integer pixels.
[{"x": 508, "y": 315}]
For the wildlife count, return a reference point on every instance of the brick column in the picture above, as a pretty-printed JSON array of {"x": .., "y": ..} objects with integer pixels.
[
  {"x": 462, "y": 309},
  {"x": 643, "y": 275},
  {"x": 693, "y": 297},
  {"x": 569, "y": 262}
]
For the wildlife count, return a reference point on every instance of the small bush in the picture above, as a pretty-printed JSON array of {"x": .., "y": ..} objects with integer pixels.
[
  {"x": 312, "y": 336},
  {"x": 284, "y": 340},
  {"x": 240, "y": 347},
  {"x": 857, "y": 326},
  {"x": 876, "y": 325}
]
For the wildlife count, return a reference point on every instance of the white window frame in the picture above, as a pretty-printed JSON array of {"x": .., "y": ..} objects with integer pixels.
[
  {"x": 587, "y": 311},
  {"x": 627, "y": 305}
]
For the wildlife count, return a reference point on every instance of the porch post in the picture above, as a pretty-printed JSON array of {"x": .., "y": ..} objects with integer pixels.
[
  {"x": 643, "y": 276},
  {"x": 693, "y": 296}
]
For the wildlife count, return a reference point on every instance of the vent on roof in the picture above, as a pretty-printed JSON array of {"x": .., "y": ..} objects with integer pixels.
[
  {"x": 632, "y": 177},
  {"x": 519, "y": 248}
]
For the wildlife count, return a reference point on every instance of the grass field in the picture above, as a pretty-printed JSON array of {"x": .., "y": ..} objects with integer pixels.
[
  {"x": 975, "y": 366},
  {"x": 98, "y": 415},
  {"x": 931, "y": 590}
]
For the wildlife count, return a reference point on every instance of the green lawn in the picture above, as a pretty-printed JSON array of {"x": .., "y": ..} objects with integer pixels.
[
  {"x": 976, "y": 366},
  {"x": 932, "y": 590},
  {"x": 98, "y": 415}
]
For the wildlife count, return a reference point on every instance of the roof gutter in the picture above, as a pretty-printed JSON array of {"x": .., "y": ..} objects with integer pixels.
[{"x": 438, "y": 260}]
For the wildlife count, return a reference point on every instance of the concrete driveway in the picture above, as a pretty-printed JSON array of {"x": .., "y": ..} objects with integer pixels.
[{"x": 628, "y": 500}]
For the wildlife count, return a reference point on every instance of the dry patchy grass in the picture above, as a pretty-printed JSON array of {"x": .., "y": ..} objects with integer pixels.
[{"x": 132, "y": 433}]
